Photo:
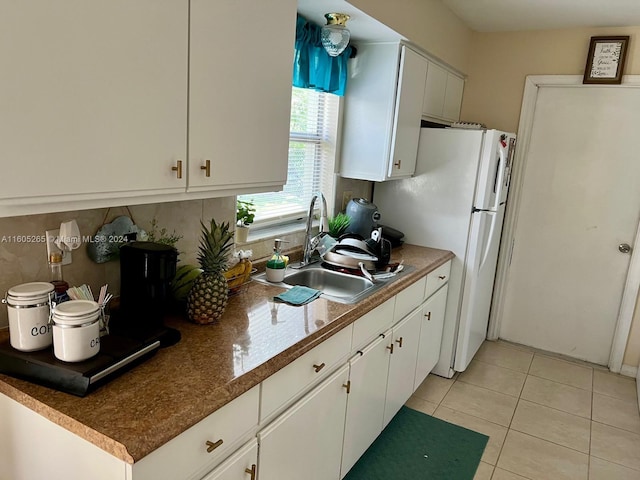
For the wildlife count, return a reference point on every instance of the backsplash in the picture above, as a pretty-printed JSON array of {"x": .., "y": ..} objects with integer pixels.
[{"x": 22, "y": 261}]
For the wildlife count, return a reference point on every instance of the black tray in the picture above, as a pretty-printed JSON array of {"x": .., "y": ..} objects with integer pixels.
[{"x": 117, "y": 354}]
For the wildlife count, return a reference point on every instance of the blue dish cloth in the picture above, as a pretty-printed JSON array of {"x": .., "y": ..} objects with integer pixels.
[{"x": 298, "y": 295}]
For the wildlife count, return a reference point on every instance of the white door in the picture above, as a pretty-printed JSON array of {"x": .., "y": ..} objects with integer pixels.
[
  {"x": 365, "y": 402},
  {"x": 306, "y": 440},
  {"x": 404, "y": 142},
  {"x": 430, "y": 334},
  {"x": 87, "y": 111},
  {"x": 403, "y": 347},
  {"x": 580, "y": 200}
]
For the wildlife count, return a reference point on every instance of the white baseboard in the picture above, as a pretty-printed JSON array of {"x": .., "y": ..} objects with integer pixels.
[{"x": 629, "y": 371}]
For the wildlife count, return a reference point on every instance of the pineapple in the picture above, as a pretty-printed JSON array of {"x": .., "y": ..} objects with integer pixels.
[{"x": 207, "y": 298}]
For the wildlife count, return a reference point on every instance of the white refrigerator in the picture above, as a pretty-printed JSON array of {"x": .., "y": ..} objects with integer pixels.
[{"x": 456, "y": 201}]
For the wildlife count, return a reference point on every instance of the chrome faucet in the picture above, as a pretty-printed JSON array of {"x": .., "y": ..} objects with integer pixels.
[{"x": 311, "y": 243}]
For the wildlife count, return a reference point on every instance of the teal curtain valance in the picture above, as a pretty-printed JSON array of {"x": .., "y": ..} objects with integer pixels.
[{"x": 313, "y": 67}]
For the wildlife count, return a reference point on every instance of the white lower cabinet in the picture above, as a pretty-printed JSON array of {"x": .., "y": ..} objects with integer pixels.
[
  {"x": 320, "y": 436},
  {"x": 403, "y": 349},
  {"x": 242, "y": 465},
  {"x": 306, "y": 440},
  {"x": 33, "y": 447},
  {"x": 366, "y": 399},
  {"x": 430, "y": 334},
  {"x": 196, "y": 451}
]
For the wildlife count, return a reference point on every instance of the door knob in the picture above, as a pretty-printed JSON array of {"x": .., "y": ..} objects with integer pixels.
[{"x": 624, "y": 247}]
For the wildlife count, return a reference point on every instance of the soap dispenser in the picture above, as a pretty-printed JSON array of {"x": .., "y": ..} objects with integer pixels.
[{"x": 277, "y": 264}]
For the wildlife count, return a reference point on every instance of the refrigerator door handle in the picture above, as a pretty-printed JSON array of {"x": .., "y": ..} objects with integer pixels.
[
  {"x": 498, "y": 184},
  {"x": 488, "y": 239}
]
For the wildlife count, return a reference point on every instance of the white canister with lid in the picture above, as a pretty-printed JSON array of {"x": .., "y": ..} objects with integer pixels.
[
  {"x": 29, "y": 310},
  {"x": 76, "y": 330}
]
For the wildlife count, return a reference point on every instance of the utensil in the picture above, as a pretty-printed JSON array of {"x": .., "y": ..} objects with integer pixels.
[{"x": 366, "y": 273}]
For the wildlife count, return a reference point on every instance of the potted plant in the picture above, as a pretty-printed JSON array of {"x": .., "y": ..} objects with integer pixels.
[
  {"x": 245, "y": 213},
  {"x": 338, "y": 225}
]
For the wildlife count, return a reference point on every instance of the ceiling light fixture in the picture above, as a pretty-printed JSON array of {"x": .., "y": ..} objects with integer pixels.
[{"x": 335, "y": 35}]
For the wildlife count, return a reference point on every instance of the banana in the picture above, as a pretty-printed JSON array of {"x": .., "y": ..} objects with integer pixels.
[{"x": 238, "y": 274}]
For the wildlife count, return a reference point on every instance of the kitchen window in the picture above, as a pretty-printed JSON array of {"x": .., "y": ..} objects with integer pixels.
[{"x": 312, "y": 152}]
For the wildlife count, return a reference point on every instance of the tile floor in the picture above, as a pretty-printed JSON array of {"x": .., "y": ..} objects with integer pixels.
[{"x": 547, "y": 418}]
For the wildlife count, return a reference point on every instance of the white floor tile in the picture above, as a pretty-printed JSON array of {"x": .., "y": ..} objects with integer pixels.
[
  {"x": 480, "y": 402},
  {"x": 613, "y": 385},
  {"x": 615, "y": 445},
  {"x": 552, "y": 425},
  {"x": 498, "y": 379},
  {"x": 617, "y": 413},
  {"x": 557, "y": 395},
  {"x": 502, "y": 355},
  {"x": 602, "y": 470},
  {"x": 562, "y": 372},
  {"x": 541, "y": 460}
]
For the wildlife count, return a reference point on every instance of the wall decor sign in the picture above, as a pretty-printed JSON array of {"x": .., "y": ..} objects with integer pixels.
[{"x": 605, "y": 61}]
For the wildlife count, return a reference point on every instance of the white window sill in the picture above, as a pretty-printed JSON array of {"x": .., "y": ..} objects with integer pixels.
[{"x": 261, "y": 240}]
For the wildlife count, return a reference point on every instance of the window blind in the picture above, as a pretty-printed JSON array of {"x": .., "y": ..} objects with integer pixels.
[{"x": 312, "y": 149}]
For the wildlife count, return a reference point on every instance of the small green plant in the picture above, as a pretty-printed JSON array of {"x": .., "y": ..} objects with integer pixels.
[
  {"x": 245, "y": 213},
  {"x": 161, "y": 235},
  {"x": 338, "y": 225}
]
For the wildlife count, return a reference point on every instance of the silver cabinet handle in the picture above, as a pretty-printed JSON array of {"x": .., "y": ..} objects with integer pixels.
[{"x": 624, "y": 248}]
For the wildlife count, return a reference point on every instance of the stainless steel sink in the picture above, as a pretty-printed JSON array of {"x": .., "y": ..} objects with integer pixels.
[{"x": 335, "y": 286}]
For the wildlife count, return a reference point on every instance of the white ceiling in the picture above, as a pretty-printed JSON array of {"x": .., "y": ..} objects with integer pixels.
[{"x": 514, "y": 15}]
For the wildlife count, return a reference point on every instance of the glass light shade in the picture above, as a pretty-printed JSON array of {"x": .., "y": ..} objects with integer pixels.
[{"x": 335, "y": 35}]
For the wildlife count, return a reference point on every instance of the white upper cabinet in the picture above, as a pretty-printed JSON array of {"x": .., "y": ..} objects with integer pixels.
[
  {"x": 241, "y": 63},
  {"x": 101, "y": 101},
  {"x": 442, "y": 94},
  {"x": 406, "y": 124},
  {"x": 382, "y": 111},
  {"x": 93, "y": 99}
]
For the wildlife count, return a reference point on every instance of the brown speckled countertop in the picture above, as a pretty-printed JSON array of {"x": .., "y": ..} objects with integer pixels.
[{"x": 144, "y": 408}]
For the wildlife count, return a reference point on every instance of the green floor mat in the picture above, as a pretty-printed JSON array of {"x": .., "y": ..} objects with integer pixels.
[{"x": 418, "y": 446}]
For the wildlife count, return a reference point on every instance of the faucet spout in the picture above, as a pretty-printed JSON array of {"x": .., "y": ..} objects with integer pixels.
[{"x": 311, "y": 243}]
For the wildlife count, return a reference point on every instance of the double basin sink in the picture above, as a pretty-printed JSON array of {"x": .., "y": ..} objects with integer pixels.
[{"x": 336, "y": 286}]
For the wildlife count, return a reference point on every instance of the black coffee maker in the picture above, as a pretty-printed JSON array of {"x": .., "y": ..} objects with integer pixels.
[{"x": 146, "y": 271}]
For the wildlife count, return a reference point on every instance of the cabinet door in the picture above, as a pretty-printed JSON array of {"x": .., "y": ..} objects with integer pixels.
[
  {"x": 241, "y": 60},
  {"x": 33, "y": 447},
  {"x": 434, "y": 91},
  {"x": 406, "y": 127},
  {"x": 403, "y": 347},
  {"x": 453, "y": 98},
  {"x": 366, "y": 399},
  {"x": 306, "y": 441},
  {"x": 430, "y": 334},
  {"x": 94, "y": 99},
  {"x": 242, "y": 465}
]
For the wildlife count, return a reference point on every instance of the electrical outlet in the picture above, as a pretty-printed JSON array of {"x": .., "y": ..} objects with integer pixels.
[
  {"x": 51, "y": 236},
  {"x": 346, "y": 197}
]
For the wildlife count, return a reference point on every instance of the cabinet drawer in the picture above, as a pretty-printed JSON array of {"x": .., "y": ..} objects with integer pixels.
[
  {"x": 286, "y": 384},
  {"x": 437, "y": 279},
  {"x": 242, "y": 465},
  {"x": 186, "y": 456},
  {"x": 409, "y": 299},
  {"x": 372, "y": 324}
]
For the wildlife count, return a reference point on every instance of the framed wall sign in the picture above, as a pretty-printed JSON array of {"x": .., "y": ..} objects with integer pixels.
[{"x": 605, "y": 61}]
